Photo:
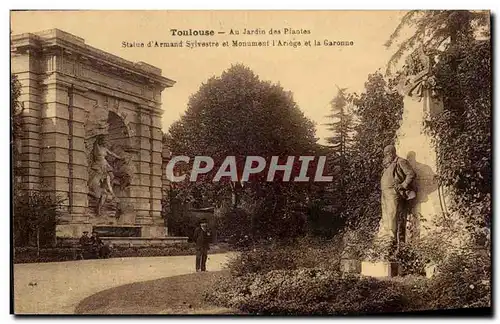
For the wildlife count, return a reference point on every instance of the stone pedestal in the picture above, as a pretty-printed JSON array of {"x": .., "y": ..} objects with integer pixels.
[
  {"x": 380, "y": 269},
  {"x": 154, "y": 231},
  {"x": 72, "y": 230},
  {"x": 350, "y": 266},
  {"x": 430, "y": 270}
]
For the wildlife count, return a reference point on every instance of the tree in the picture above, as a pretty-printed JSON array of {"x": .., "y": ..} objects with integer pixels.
[
  {"x": 432, "y": 29},
  {"x": 36, "y": 215},
  {"x": 379, "y": 113},
  {"x": 237, "y": 114},
  {"x": 341, "y": 127},
  {"x": 16, "y": 110}
]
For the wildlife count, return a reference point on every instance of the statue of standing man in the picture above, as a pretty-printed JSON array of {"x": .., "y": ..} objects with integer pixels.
[{"x": 395, "y": 186}]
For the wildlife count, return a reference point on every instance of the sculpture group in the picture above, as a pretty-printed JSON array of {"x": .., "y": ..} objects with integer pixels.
[{"x": 102, "y": 173}]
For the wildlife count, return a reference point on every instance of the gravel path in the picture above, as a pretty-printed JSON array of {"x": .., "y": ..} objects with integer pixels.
[{"x": 57, "y": 287}]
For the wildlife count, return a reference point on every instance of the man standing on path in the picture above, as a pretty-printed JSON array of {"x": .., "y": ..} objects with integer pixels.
[
  {"x": 202, "y": 238},
  {"x": 85, "y": 245}
]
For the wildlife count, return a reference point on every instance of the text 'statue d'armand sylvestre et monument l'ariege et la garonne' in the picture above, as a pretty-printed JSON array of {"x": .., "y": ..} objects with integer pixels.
[{"x": 93, "y": 134}]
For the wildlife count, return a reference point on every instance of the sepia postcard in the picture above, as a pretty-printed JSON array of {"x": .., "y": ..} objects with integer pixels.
[{"x": 289, "y": 163}]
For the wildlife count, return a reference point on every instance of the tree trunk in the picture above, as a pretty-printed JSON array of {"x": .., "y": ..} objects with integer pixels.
[
  {"x": 54, "y": 238},
  {"x": 38, "y": 241},
  {"x": 234, "y": 194},
  {"x": 234, "y": 198}
]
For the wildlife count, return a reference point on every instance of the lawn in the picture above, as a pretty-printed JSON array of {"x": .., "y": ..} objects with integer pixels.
[{"x": 172, "y": 295}]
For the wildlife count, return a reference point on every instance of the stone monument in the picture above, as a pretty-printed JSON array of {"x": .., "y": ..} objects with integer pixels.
[
  {"x": 92, "y": 134},
  {"x": 414, "y": 145}
]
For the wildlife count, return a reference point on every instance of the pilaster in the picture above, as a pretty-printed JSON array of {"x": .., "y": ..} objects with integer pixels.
[{"x": 25, "y": 65}]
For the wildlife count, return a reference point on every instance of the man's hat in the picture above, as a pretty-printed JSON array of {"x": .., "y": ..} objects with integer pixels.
[{"x": 408, "y": 194}]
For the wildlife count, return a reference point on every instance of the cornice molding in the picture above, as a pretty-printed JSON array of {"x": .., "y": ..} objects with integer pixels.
[{"x": 64, "y": 43}]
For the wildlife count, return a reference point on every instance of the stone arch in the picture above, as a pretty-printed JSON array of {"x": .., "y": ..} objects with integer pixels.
[{"x": 118, "y": 132}]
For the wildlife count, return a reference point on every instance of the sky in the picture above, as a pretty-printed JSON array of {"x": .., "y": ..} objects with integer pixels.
[{"x": 312, "y": 73}]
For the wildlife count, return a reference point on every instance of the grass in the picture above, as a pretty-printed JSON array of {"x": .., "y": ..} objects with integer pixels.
[{"x": 172, "y": 295}]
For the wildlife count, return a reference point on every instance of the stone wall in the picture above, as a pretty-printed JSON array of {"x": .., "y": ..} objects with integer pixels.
[{"x": 416, "y": 146}]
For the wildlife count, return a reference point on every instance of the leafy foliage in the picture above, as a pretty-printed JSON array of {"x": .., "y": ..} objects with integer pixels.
[
  {"x": 379, "y": 112},
  {"x": 433, "y": 28},
  {"x": 306, "y": 252},
  {"x": 463, "y": 281},
  {"x": 270, "y": 283},
  {"x": 341, "y": 126},
  {"x": 181, "y": 222},
  {"x": 58, "y": 254},
  {"x": 463, "y": 131},
  {"x": 312, "y": 292},
  {"x": 230, "y": 116},
  {"x": 36, "y": 215},
  {"x": 16, "y": 110}
]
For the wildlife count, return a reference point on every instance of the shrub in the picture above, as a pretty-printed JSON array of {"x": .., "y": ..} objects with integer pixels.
[
  {"x": 357, "y": 239},
  {"x": 462, "y": 133},
  {"x": 305, "y": 253},
  {"x": 310, "y": 292},
  {"x": 29, "y": 254},
  {"x": 35, "y": 216},
  {"x": 463, "y": 281},
  {"x": 181, "y": 222},
  {"x": 235, "y": 226},
  {"x": 410, "y": 259},
  {"x": 317, "y": 291},
  {"x": 171, "y": 250},
  {"x": 304, "y": 279}
]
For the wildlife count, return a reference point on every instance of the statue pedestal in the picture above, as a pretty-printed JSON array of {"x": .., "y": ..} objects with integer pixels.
[
  {"x": 350, "y": 266},
  {"x": 72, "y": 230},
  {"x": 380, "y": 269},
  {"x": 430, "y": 270}
]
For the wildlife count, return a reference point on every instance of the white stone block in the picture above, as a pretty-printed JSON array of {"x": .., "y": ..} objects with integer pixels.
[
  {"x": 72, "y": 230},
  {"x": 380, "y": 269},
  {"x": 430, "y": 270},
  {"x": 154, "y": 231}
]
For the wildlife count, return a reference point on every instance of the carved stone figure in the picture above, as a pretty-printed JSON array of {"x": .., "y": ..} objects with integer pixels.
[
  {"x": 101, "y": 173},
  {"x": 419, "y": 75}
]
